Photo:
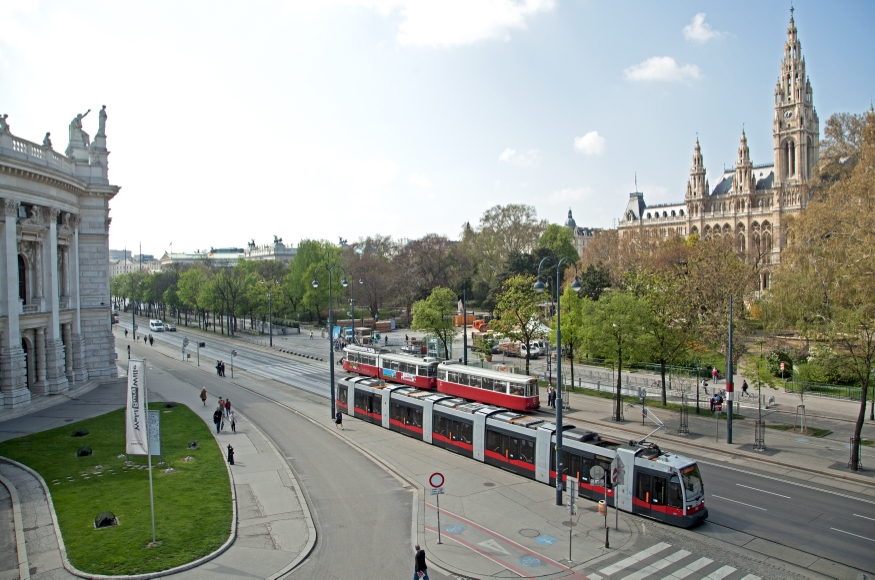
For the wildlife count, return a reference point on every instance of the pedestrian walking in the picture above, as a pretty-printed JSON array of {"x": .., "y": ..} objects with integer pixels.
[
  {"x": 222, "y": 405},
  {"x": 712, "y": 400},
  {"x": 222, "y": 368},
  {"x": 145, "y": 340},
  {"x": 311, "y": 334},
  {"x": 338, "y": 420},
  {"x": 420, "y": 570},
  {"x": 126, "y": 333},
  {"x": 230, "y": 455},
  {"x": 129, "y": 352},
  {"x": 227, "y": 407},
  {"x": 217, "y": 419},
  {"x": 204, "y": 396},
  {"x": 406, "y": 339},
  {"x": 219, "y": 368},
  {"x": 232, "y": 418},
  {"x": 714, "y": 374},
  {"x": 550, "y": 395},
  {"x": 744, "y": 389},
  {"x": 151, "y": 341},
  {"x": 705, "y": 386}
]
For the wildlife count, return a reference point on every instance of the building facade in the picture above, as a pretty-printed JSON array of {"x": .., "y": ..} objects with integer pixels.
[
  {"x": 228, "y": 257},
  {"x": 749, "y": 203},
  {"x": 55, "y": 328},
  {"x": 580, "y": 237}
]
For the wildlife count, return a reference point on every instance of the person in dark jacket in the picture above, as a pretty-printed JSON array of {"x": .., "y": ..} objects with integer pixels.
[
  {"x": 420, "y": 570},
  {"x": 338, "y": 420},
  {"x": 217, "y": 419}
]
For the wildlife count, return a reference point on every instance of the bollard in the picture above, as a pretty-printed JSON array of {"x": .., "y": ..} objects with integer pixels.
[{"x": 607, "y": 535}]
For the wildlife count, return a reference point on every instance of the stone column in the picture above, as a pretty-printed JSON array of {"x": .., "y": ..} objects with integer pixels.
[
  {"x": 80, "y": 373},
  {"x": 67, "y": 335},
  {"x": 57, "y": 380},
  {"x": 12, "y": 364},
  {"x": 40, "y": 385}
]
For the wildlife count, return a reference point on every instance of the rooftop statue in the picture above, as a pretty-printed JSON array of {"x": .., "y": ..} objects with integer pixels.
[
  {"x": 47, "y": 140},
  {"x": 77, "y": 135},
  {"x": 4, "y": 126},
  {"x": 101, "y": 122}
]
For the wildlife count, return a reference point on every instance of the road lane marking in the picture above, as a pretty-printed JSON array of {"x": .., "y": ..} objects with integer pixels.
[
  {"x": 855, "y": 535},
  {"x": 844, "y": 495},
  {"x": 751, "y": 577},
  {"x": 690, "y": 568},
  {"x": 864, "y": 517},
  {"x": 764, "y": 491},
  {"x": 634, "y": 559},
  {"x": 483, "y": 553},
  {"x": 741, "y": 502},
  {"x": 658, "y": 565},
  {"x": 720, "y": 573}
]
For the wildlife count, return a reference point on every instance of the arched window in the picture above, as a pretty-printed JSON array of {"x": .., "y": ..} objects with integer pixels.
[
  {"x": 22, "y": 279},
  {"x": 648, "y": 215}
]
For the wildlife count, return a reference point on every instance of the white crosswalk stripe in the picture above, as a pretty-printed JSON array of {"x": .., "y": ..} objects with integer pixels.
[{"x": 689, "y": 566}]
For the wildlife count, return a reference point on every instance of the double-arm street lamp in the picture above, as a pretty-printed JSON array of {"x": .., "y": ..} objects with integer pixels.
[
  {"x": 270, "y": 311},
  {"x": 343, "y": 283},
  {"x": 352, "y": 302},
  {"x": 539, "y": 287}
]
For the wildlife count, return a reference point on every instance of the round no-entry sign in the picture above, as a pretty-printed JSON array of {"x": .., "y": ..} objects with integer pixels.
[{"x": 436, "y": 479}]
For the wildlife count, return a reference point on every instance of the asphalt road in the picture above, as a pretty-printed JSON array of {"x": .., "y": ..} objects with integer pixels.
[{"x": 816, "y": 519}]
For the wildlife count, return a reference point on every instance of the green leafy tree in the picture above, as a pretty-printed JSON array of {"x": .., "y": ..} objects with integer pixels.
[
  {"x": 516, "y": 312},
  {"x": 594, "y": 280},
  {"x": 434, "y": 315},
  {"x": 191, "y": 284},
  {"x": 612, "y": 330},
  {"x": 559, "y": 241},
  {"x": 572, "y": 326}
]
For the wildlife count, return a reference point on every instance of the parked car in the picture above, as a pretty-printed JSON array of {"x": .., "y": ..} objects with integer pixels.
[{"x": 169, "y": 327}]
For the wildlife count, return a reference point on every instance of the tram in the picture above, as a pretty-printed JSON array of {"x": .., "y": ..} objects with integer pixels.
[
  {"x": 650, "y": 482},
  {"x": 510, "y": 390}
]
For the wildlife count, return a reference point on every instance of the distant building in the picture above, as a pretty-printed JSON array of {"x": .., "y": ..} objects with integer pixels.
[
  {"x": 750, "y": 203},
  {"x": 579, "y": 236},
  {"x": 274, "y": 252},
  {"x": 227, "y": 257},
  {"x": 145, "y": 263}
]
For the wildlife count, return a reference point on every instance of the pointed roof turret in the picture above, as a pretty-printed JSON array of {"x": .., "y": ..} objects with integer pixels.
[{"x": 570, "y": 223}]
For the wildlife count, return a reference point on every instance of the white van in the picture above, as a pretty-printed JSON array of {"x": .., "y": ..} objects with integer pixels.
[{"x": 156, "y": 325}]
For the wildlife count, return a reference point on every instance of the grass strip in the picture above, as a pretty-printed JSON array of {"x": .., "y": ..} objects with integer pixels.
[{"x": 192, "y": 503}]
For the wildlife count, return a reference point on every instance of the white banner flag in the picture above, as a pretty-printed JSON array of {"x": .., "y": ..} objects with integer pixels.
[{"x": 136, "y": 439}]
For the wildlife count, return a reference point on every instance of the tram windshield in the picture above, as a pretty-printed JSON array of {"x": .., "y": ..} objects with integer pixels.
[{"x": 692, "y": 482}]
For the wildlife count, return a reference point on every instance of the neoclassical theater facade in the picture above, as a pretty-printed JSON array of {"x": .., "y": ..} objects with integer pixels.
[
  {"x": 55, "y": 326},
  {"x": 749, "y": 203}
]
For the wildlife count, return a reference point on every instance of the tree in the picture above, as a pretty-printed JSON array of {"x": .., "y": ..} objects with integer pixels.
[
  {"x": 572, "y": 326},
  {"x": 595, "y": 280},
  {"x": 504, "y": 229},
  {"x": 559, "y": 241},
  {"x": 826, "y": 282},
  {"x": 612, "y": 330},
  {"x": 191, "y": 285},
  {"x": 435, "y": 316},
  {"x": 840, "y": 146},
  {"x": 516, "y": 312}
]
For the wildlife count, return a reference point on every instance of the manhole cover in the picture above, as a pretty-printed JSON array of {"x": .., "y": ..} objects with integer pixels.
[
  {"x": 489, "y": 484},
  {"x": 566, "y": 524},
  {"x": 530, "y": 533}
]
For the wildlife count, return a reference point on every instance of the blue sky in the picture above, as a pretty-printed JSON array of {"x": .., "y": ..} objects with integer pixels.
[{"x": 233, "y": 121}]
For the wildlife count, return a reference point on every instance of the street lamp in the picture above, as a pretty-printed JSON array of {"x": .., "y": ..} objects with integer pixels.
[
  {"x": 133, "y": 309},
  {"x": 539, "y": 287},
  {"x": 352, "y": 302},
  {"x": 270, "y": 312},
  {"x": 343, "y": 283},
  {"x": 698, "y": 367}
]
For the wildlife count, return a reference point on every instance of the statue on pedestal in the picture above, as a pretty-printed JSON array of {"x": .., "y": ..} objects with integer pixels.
[
  {"x": 77, "y": 135},
  {"x": 47, "y": 140},
  {"x": 4, "y": 126},
  {"x": 101, "y": 123}
]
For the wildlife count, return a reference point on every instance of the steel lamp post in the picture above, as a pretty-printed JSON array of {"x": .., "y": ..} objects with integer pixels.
[
  {"x": 539, "y": 287},
  {"x": 352, "y": 303},
  {"x": 343, "y": 283}
]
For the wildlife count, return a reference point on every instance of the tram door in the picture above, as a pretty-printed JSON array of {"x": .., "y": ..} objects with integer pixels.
[
  {"x": 652, "y": 491},
  {"x": 643, "y": 483}
]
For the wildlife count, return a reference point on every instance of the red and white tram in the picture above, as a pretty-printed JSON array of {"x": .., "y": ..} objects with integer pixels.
[
  {"x": 650, "y": 482},
  {"x": 397, "y": 368},
  {"x": 508, "y": 390}
]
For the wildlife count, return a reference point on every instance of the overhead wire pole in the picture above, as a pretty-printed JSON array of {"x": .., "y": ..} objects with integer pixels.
[
  {"x": 315, "y": 284},
  {"x": 539, "y": 288},
  {"x": 729, "y": 386}
]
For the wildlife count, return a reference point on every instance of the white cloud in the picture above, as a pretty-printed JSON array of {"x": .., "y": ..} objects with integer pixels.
[
  {"x": 527, "y": 159},
  {"x": 568, "y": 195},
  {"x": 699, "y": 31},
  {"x": 420, "y": 180},
  {"x": 448, "y": 22},
  {"x": 590, "y": 144},
  {"x": 662, "y": 68}
]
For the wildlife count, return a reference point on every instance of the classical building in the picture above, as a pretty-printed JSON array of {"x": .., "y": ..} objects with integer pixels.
[
  {"x": 750, "y": 202},
  {"x": 276, "y": 251},
  {"x": 579, "y": 236},
  {"x": 55, "y": 327}
]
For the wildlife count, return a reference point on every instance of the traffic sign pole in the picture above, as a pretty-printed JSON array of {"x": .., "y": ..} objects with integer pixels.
[{"x": 436, "y": 481}]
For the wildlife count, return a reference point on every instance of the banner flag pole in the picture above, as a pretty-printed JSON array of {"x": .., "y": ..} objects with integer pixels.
[{"x": 149, "y": 452}]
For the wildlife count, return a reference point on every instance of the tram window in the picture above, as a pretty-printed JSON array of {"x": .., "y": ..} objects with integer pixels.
[
  {"x": 487, "y": 383},
  {"x": 500, "y": 386},
  {"x": 440, "y": 425},
  {"x": 659, "y": 484},
  {"x": 513, "y": 447},
  {"x": 474, "y": 381},
  {"x": 642, "y": 487},
  {"x": 517, "y": 389},
  {"x": 352, "y": 357},
  {"x": 493, "y": 441},
  {"x": 586, "y": 464},
  {"x": 606, "y": 465},
  {"x": 341, "y": 395},
  {"x": 416, "y": 417},
  {"x": 432, "y": 371},
  {"x": 527, "y": 451},
  {"x": 532, "y": 390},
  {"x": 574, "y": 465},
  {"x": 675, "y": 498},
  {"x": 452, "y": 377},
  {"x": 466, "y": 432},
  {"x": 394, "y": 365},
  {"x": 396, "y": 412},
  {"x": 376, "y": 404}
]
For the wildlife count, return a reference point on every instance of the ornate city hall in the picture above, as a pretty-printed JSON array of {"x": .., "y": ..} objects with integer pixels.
[
  {"x": 55, "y": 326},
  {"x": 750, "y": 202}
]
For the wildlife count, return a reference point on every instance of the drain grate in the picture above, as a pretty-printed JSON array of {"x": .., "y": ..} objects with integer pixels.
[
  {"x": 529, "y": 533},
  {"x": 489, "y": 484},
  {"x": 566, "y": 524}
]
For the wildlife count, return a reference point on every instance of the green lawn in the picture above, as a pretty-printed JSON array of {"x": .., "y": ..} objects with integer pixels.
[
  {"x": 192, "y": 504},
  {"x": 815, "y": 432}
]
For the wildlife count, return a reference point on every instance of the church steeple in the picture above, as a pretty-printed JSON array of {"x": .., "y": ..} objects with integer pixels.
[
  {"x": 697, "y": 185},
  {"x": 744, "y": 181},
  {"x": 797, "y": 127}
]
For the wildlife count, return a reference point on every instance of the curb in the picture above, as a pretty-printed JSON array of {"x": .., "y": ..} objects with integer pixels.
[{"x": 20, "y": 546}]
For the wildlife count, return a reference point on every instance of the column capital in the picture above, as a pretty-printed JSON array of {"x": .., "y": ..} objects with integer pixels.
[
  {"x": 10, "y": 207},
  {"x": 52, "y": 214}
]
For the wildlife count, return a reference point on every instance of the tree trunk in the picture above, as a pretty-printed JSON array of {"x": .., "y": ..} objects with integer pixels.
[
  {"x": 662, "y": 374},
  {"x": 858, "y": 426},
  {"x": 619, "y": 409}
]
